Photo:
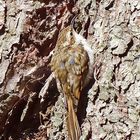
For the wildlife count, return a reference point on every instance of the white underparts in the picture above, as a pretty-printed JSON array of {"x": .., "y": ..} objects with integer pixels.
[{"x": 81, "y": 40}]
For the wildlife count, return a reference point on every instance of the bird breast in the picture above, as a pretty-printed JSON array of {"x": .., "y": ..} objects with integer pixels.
[{"x": 81, "y": 40}]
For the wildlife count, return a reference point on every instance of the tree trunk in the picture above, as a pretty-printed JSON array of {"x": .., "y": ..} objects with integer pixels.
[{"x": 31, "y": 106}]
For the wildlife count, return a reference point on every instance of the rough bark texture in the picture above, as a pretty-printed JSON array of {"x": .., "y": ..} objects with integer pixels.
[{"x": 30, "y": 105}]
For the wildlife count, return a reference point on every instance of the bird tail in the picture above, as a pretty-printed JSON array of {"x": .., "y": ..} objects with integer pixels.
[{"x": 72, "y": 121}]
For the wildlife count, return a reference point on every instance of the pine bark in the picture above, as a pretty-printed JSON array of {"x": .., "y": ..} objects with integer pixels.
[{"x": 31, "y": 106}]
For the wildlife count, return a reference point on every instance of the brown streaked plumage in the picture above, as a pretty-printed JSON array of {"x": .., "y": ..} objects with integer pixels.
[{"x": 70, "y": 65}]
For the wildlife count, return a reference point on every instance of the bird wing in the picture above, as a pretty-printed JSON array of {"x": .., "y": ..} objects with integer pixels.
[{"x": 70, "y": 65}]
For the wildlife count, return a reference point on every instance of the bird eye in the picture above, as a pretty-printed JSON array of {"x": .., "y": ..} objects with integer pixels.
[{"x": 70, "y": 33}]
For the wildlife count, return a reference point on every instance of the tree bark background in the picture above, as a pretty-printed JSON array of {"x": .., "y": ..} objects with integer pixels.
[{"x": 30, "y": 105}]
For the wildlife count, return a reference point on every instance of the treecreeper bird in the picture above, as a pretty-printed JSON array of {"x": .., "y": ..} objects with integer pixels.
[{"x": 72, "y": 65}]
